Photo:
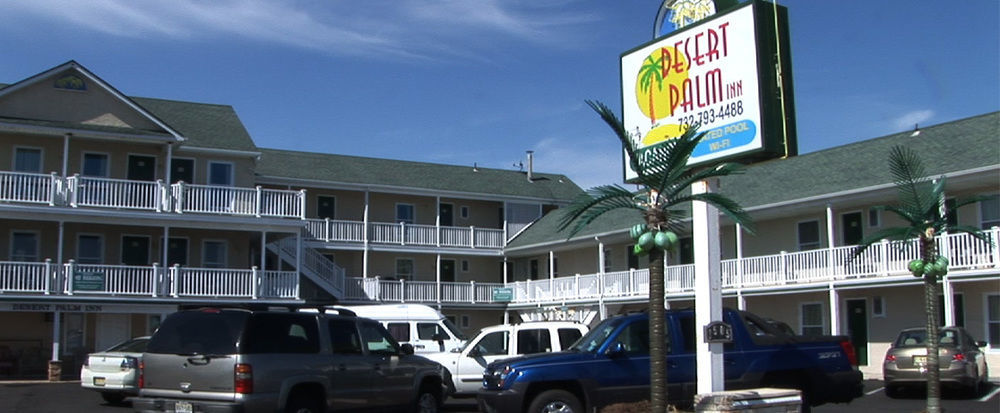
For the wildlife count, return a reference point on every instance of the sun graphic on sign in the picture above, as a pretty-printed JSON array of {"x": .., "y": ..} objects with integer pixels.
[{"x": 659, "y": 89}]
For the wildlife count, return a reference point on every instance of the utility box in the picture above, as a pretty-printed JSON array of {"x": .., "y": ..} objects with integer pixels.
[
  {"x": 55, "y": 370},
  {"x": 764, "y": 400}
]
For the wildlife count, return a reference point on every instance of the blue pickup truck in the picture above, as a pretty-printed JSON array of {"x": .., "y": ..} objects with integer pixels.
[{"x": 611, "y": 365}]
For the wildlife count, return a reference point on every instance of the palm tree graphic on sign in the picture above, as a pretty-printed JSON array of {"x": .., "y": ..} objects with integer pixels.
[{"x": 659, "y": 89}]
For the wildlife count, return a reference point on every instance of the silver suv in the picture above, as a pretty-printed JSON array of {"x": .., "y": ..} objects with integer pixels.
[{"x": 235, "y": 360}]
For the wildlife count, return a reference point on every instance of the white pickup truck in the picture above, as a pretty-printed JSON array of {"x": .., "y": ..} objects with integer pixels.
[{"x": 502, "y": 341}]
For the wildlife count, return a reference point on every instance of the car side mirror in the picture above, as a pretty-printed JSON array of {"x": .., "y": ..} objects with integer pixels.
[
  {"x": 439, "y": 337},
  {"x": 406, "y": 349},
  {"x": 474, "y": 352},
  {"x": 981, "y": 344}
]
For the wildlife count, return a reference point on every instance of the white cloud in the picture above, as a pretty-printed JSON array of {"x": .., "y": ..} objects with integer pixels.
[
  {"x": 373, "y": 28},
  {"x": 908, "y": 120}
]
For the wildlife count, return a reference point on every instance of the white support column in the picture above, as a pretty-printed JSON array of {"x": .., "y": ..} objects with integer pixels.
[
  {"x": 708, "y": 288},
  {"x": 834, "y": 310},
  {"x": 948, "y": 291},
  {"x": 65, "y": 158},
  {"x": 437, "y": 225},
  {"x": 298, "y": 255},
  {"x": 739, "y": 264},
  {"x": 552, "y": 272},
  {"x": 505, "y": 270},
  {"x": 62, "y": 242},
  {"x": 437, "y": 278},
  {"x": 830, "y": 239},
  {"x": 364, "y": 255},
  {"x": 263, "y": 250},
  {"x": 56, "y": 337},
  {"x": 600, "y": 257},
  {"x": 168, "y": 173}
]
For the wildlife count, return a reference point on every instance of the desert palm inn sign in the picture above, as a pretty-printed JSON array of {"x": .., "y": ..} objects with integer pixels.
[{"x": 720, "y": 65}]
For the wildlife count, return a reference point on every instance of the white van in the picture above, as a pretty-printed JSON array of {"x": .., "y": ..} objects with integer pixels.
[
  {"x": 423, "y": 327},
  {"x": 503, "y": 341}
]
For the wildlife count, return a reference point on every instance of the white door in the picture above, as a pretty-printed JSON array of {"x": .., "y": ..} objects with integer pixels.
[
  {"x": 111, "y": 329},
  {"x": 490, "y": 347}
]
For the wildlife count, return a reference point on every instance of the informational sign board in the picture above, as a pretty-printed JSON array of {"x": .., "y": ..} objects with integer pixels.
[
  {"x": 729, "y": 75},
  {"x": 503, "y": 294},
  {"x": 88, "y": 281}
]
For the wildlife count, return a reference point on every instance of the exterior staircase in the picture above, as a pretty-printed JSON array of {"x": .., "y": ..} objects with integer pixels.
[{"x": 324, "y": 273}]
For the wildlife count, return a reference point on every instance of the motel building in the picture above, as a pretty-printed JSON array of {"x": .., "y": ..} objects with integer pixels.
[{"x": 116, "y": 211}]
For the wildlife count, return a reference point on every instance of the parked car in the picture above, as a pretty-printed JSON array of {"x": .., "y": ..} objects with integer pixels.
[
  {"x": 961, "y": 361},
  {"x": 503, "y": 341},
  {"x": 611, "y": 365},
  {"x": 236, "y": 360},
  {"x": 114, "y": 372}
]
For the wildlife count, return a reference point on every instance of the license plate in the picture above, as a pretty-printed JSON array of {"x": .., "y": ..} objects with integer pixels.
[
  {"x": 99, "y": 381},
  {"x": 920, "y": 360},
  {"x": 183, "y": 407}
]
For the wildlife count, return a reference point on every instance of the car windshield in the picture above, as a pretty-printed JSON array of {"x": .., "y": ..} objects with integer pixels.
[
  {"x": 206, "y": 331},
  {"x": 593, "y": 340},
  {"x": 457, "y": 332},
  {"x": 918, "y": 338},
  {"x": 135, "y": 345}
]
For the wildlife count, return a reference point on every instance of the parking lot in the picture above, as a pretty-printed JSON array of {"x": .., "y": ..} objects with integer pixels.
[{"x": 44, "y": 397}]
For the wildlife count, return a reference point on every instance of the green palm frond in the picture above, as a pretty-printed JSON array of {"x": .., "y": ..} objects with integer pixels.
[
  {"x": 618, "y": 127},
  {"x": 594, "y": 203},
  {"x": 725, "y": 205},
  {"x": 907, "y": 234},
  {"x": 908, "y": 175}
]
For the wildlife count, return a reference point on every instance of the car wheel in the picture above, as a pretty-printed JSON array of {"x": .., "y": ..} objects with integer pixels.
[
  {"x": 427, "y": 401},
  {"x": 302, "y": 403},
  {"x": 113, "y": 398},
  {"x": 555, "y": 401}
]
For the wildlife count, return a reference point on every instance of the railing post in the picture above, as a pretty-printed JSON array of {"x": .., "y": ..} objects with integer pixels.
[
  {"x": 254, "y": 279},
  {"x": 995, "y": 245},
  {"x": 257, "y": 202},
  {"x": 378, "y": 288},
  {"x": 175, "y": 280},
  {"x": 181, "y": 190},
  {"x": 576, "y": 282},
  {"x": 153, "y": 284},
  {"x": 327, "y": 229},
  {"x": 783, "y": 267},
  {"x": 73, "y": 189},
  {"x": 402, "y": 233},
  {"x": 631, "y": 281},
  {"x": 472, "y": 237},
  {"x": 159, "y": 195},
  {"x": 884, "y": 252},
  {"x": 402, "y": 290},
  {"x": 53, "y": 188},
  {"x": 302, "y": 204},
  {"x": 48, "y": 275},
  {"x": 71, "y": 269}
]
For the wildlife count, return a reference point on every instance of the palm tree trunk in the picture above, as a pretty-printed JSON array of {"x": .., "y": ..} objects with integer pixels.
[
  {"x": 657, "y": 322},
  {"x": 657, "y": 352},
  {"x": 931, "y": 300}
]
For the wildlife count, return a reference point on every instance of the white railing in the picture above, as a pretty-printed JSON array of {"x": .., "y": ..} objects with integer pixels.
[
  {"x": 315, "y": 264},
  {"x": 46, "y": 278},
  {"x": 115, "y": 193},
  {"x": 823, "y": 266},
  {"x": 94, "y": 192},
  {"x": 329, "y": 230},
  {"x": 29, "y": 188}
]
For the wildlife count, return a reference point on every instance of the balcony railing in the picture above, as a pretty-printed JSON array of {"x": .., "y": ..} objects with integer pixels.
[
  {"x": 817, "y": 267},
  {"x": 332, "y": 230},
  {"x": 48, "y": 278},
  {"x": 82, "y": 191}
]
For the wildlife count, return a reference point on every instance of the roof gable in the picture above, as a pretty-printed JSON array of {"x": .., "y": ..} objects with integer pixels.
[{"x": 70, "y": 96}]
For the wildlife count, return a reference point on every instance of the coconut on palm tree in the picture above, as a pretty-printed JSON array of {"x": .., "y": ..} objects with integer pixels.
[
  {"x": 919, "y": 205},
  {"x": 664, "y": 181}
]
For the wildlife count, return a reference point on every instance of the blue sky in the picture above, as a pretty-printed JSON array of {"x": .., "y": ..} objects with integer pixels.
[{"x": 482, "y": 81}]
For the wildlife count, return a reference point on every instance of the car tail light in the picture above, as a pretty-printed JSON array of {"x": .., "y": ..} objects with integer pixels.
[
  {"x": 958, "y": 357},
  {"x": 142, "y": 379},
  {"x": 243, "y": 379},
  {"x": 890, "y": 357},
  {"x": 852, "y": 357}
]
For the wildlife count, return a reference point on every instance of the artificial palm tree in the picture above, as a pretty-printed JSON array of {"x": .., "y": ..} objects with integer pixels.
[
  {"x": 650, "y": 72},
  {"x": 664, "y": 180},
  {"x": 919, "y": 205}
]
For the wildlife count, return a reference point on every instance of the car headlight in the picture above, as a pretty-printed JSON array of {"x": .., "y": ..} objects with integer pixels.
[{"x": 507, "y": 375}]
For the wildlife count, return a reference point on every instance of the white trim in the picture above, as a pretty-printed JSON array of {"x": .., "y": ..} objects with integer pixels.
[
  {"x": 232, "y": 172},
  {"x": 216, "y": 151},
  {"x": 41, "y": 158}
]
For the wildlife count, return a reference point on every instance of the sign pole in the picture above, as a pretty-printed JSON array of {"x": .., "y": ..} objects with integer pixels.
[{"x": 707, "y": 288}]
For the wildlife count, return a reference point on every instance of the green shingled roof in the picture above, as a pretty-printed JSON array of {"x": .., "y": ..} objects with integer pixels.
[
  {"x": 204, "y": 125},
  {"x": 356, "y": 170},
  {"x": 960, "y": 145}
]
